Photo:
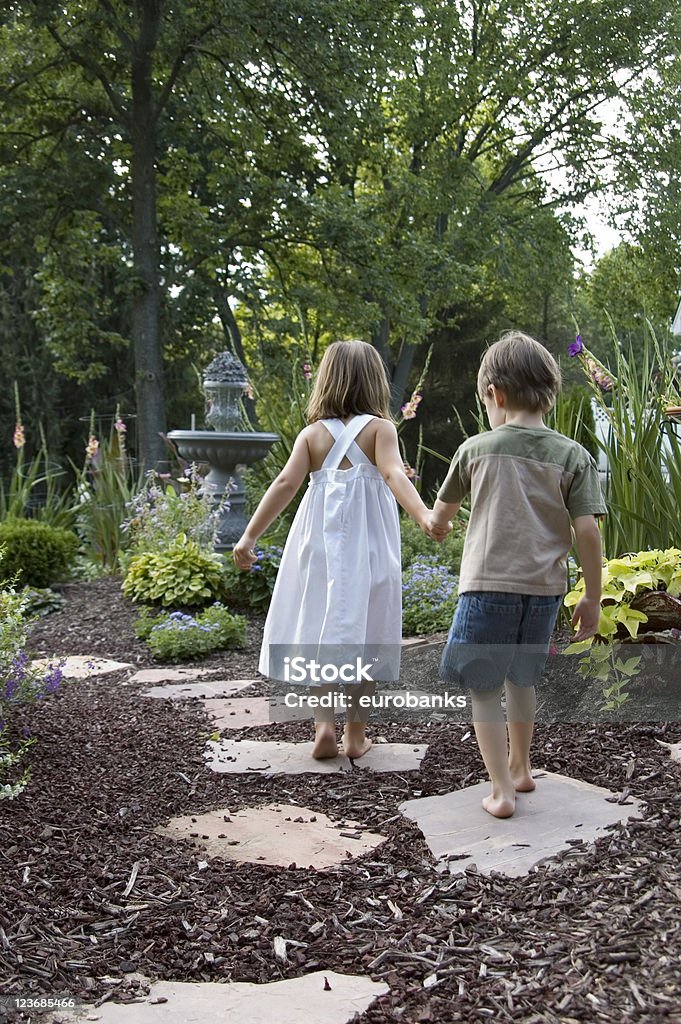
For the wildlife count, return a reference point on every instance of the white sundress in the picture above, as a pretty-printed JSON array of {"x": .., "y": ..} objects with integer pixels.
[{"x": 340, "y": 580}]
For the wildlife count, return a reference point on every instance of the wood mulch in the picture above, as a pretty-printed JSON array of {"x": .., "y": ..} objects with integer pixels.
[{"x": 91, "y": 897}]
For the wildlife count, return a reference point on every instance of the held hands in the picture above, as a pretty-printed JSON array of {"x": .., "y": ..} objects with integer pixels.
[
  {"x": 434, "y": 528},
  {"x": 587, "y": 613},
  {"x": 243, "y": 552}
]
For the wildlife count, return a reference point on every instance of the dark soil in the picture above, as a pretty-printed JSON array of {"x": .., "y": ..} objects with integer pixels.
[{"x": 594, "y": 937}]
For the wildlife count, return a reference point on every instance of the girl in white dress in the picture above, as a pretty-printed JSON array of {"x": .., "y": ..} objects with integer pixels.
[{"x": 339, "y": 582}]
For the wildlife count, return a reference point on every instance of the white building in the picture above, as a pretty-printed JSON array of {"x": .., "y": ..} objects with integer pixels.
[{"x": 676, "y": 322}]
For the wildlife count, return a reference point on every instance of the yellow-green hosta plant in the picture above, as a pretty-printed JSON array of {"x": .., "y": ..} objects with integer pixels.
[
  {"x": 625, "y": 580},
  {"x": 181, "y": 576},
  {"x": 647, "y": 579}
]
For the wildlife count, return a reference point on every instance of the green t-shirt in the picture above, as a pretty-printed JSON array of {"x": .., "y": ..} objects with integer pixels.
[{"x": 526, "y": 485}]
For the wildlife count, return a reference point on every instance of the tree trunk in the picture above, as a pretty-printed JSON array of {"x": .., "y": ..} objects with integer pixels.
[
  {"x": 151, "y": 421},
  {"x": 401, "y": 373}
]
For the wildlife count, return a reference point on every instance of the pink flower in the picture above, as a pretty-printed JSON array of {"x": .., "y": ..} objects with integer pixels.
[
  {"x": 307, "y": 371},
  {"x": 92, "y": 447},
  {"x": 119, "y": 426},
  {"x": 409, "y": 411},
  {"x": 19, "y": 437},
  {"x": 598, "y": 375}
]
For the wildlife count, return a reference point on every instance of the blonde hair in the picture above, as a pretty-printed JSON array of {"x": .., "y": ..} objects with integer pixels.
[
  {"x": 523, "y": 369},
  {"x": 351, "y": 380}
]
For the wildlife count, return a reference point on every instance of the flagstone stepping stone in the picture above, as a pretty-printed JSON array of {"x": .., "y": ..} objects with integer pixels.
[
  {"x": 239, "y": 712},
  {"x": 166, "y": 675},
  {"x": 279, "y": 758},
  {"x": 323, "y": 996},
  {"x": 560, "y": 813},
  {"x": 419, "y": 641},
  {"x": 215, "y": 688},
  {"x": 278, "y": 834},
  {"x": 674, "y": 749},
  {"x": 78, "y": 667}
]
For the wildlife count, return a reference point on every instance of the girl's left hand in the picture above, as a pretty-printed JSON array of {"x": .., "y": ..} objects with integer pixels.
[{"x": 243, "y": 552}]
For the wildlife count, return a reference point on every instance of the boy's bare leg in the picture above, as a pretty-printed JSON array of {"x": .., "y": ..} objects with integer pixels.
[
  {"x": 355, "y": 742},
  {"x": 325, "y": 744},
  {"x": 490, "y": 730},
  {"x": 521, "y": 705}
]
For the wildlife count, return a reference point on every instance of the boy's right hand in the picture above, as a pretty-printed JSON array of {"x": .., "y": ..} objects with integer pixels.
[
  {"x": 243, "y": 552},
  {"x": 587, "y": 613}
]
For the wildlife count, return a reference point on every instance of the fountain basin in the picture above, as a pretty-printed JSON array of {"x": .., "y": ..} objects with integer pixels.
[{"x": 226, "y": 453}]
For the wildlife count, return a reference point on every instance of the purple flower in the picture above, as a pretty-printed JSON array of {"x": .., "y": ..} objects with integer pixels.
[
  {"x": 576, "y": 347},
  {"x": 53, "y": 680}
]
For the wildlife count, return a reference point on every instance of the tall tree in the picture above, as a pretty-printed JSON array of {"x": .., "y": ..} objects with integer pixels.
[{"x": 129, "y": 66}]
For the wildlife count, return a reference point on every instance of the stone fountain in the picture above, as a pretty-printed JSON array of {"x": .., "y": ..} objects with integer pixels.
[{"x": 228, "y": 447}]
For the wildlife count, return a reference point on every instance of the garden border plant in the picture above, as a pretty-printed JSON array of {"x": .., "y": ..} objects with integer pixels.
[
  {"x": 20, "y": 683},
  {"x": 640, "y": 589}
]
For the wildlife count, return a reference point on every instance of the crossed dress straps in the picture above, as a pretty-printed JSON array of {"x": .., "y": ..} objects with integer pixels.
[{"x": 345, "y": 446}]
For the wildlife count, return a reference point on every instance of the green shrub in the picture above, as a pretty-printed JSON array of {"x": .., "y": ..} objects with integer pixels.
[
  {"x": 179, "y": 636},
  {"x": 429, "y": 593},
  {"x": 182, "y": 576},
  {"x": 253, "y": 588},
  {"x": 415, "y": 544},
  {"x": 36, "y": 553}
]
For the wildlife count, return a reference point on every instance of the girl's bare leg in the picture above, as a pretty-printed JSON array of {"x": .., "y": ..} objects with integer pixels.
[
  {"x": 355, "y": 742},
  {"x": 521, "y": 706},
  {"x": 490, "y": 730},
  {"x": 325, "y": 744}
]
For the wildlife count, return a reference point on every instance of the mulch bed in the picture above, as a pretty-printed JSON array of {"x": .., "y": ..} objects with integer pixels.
[{"x": 595, "y": 936}]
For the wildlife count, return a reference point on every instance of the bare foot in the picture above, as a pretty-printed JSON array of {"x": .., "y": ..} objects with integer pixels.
[
  {"x": 325, "y": 744},
  {"x": 355, "y": 743},
  {"x": 501, "y": 805},
  {"x": 523, "y": 782}
]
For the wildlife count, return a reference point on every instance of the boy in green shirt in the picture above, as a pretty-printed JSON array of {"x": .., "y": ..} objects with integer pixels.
[{"x": 530, "y": 488}]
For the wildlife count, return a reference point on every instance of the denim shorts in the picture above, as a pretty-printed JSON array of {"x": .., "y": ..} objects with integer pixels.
[{"x": 497, "y": 636}]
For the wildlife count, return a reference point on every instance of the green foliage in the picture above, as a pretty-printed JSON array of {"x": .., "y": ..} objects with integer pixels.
[
  {"x": 624, "y": 579},
  {"x": 625, "y": 291},
  {"x": 19, "y": 684},
  {"x": 280, "y": 411},
  {"x": 631, "y": 579},
  {"x": 429, "y": 594},
  {"x": 162, "y": 509},
  {"x": 253, "y": 588},
  {"x": 179, "y": 636},
  {"x": 181, "y": 576},
  {"x": 415, "y": 544},
  {"x": 36, "y": 553},
  {"x": 643, "y": 488},
  {"x": 104, "y": 488},
  {"x": 41, "y": 601},
  {"x": 573, "y": 416},
  {"x": 35, "y": 487}
]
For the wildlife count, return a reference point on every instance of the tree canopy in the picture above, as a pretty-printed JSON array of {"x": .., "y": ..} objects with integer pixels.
[{"x": 177, "y": 178}]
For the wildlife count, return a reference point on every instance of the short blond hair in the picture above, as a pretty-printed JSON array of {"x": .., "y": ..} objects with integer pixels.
[
  {"x": 351, "y": 380},
  {"x": 523, "y": 369}
]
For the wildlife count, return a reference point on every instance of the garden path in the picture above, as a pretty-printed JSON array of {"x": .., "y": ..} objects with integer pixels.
[{"x": 561, "y": 814}]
